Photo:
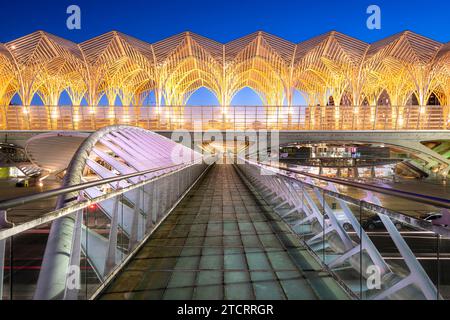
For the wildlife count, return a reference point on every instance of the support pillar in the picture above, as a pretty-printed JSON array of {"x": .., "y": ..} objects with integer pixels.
[{"x": 4, "y": 223}]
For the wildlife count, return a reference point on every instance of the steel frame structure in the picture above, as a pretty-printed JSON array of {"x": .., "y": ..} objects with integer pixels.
[
  {"x": 141, "y": 176},
  {"x": 330, "y": 68},
  {"x": 305, "y": 205},
  {"x": 111, "y": 150},
  {"x": 134, "y": 178}
]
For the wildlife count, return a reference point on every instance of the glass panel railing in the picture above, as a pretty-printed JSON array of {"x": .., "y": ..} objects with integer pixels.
[
  {"x": 228, "y": 117},
  {"x": 375, "y": 252},
  {"x": 346, "y": 244},
  {"x": 442, "y": 265},
  {"x": 102, "y": 225},
  {"x": 6, "y": 268},
  {"x": 25, "y": 258}
]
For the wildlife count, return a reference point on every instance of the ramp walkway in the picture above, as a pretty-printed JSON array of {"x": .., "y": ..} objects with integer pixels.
[{"x": 223, "y": 242}]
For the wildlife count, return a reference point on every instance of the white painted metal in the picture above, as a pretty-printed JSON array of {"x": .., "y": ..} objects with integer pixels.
[
  {"x": 310, "y": 206},
  {"x": 108, "y": 152}
]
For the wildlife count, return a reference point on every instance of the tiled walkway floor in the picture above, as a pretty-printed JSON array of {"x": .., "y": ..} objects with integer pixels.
[{"x": 220, "y": 243}]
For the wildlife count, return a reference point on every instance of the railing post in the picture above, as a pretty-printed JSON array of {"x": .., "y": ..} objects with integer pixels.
[
  {"x": 438, "y": 260},
  {"x": 396, "y": 117},
  {"x": 148, "y": 115},
  {"x": 310, "y": 115},
  {"x": 418, "y": 117},
  {"x": 163, "y": 196},
  {"x": 324, "y": 227},
  {"x": 353, "y": 117},
  {"x": 446, "y": 111},
  {"x": 375, "y": 117},
  {"x": 245, "y": 118},
  {"x": 110, "y": 261},
  {"x": 360, "y": 234},
  {"x": 149, "y": 213},
  {"x": 2, "y": 266},
  {"x": 278, "y": 118},
  {"x": 135, "y": 223},
  {"x": 173, "y": 188},
  {"x": 201, "y": 118},
  {"x": 234, "y": 118},
  {"x": 3, "y": 224}
]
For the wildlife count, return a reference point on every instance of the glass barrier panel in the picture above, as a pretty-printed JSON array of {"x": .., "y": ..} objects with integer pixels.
[
  {"x": 346, "y": 257},
  {"x": 95, "y": 244},
  {"x": 26, "y": 253},
  {"x": 6, "y": 269},
  {"x": 382, "y": 231},
  {"x": 443, "y": 265}
]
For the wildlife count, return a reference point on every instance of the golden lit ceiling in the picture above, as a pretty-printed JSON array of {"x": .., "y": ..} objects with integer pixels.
[{"x": 118, "y": 66}]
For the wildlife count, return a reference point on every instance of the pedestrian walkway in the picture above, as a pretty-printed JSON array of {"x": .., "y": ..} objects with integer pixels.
[{"x": 222, "y": 243}]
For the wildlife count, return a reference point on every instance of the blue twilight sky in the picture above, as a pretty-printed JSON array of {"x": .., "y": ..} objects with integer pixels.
[{"x": 294, "y": 20}]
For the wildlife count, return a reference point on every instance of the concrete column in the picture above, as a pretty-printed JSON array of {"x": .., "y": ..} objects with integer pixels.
[{"x": 2, "y": 264}]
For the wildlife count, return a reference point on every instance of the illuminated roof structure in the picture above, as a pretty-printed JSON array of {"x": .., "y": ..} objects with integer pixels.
[{"x": 119, "y": 66}]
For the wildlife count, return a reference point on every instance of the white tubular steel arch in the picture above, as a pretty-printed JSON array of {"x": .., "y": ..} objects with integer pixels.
[{"x": 170, "y": 169}]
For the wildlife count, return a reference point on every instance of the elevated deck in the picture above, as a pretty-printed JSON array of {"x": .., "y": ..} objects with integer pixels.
[{"x": 222, "y": 242}]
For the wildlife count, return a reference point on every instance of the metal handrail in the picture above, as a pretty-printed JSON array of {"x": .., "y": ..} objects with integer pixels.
[
  {"x": 419, "y": 223},
  {"x": 58, "y": 213},
  {"x": 426, "y": 199},
  {"x": 13, "y": 202},
  {"x": 373, "y": 118},
  {"x": 279, "y": 191}
]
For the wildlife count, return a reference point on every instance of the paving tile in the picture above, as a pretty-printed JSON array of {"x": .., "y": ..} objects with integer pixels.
[{"x": 221, "y": 243}]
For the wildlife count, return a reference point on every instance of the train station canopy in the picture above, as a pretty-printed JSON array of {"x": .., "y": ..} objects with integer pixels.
[{"x": 125, "y": 69}]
